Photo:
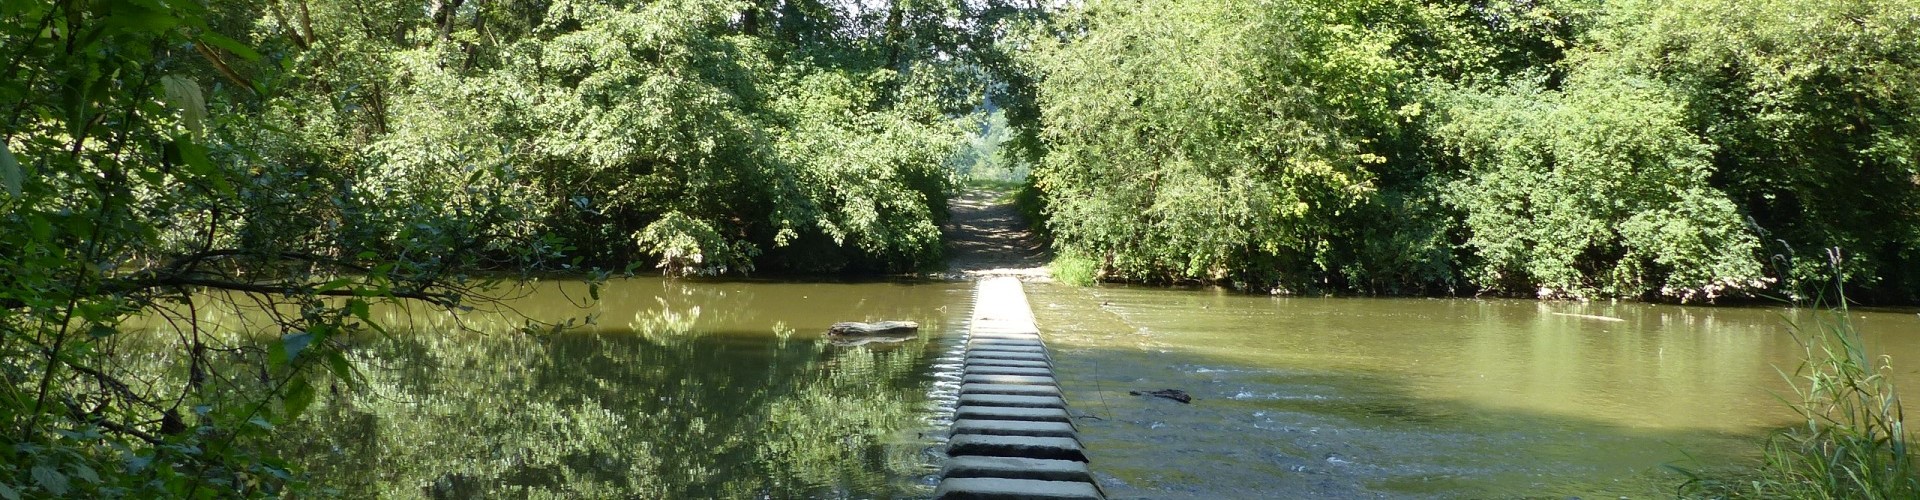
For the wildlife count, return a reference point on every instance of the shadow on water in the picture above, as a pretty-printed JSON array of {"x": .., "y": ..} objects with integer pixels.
[{"x": 1408, "y": 398}]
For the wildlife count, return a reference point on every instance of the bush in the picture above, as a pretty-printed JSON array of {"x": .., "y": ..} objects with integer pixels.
[{"x": 1074, "y": 270}]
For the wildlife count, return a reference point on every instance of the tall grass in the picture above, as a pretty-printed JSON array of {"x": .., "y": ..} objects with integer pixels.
[{"x": 1852, "y": 442}]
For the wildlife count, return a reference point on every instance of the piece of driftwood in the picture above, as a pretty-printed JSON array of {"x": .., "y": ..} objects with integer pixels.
[
  {"x": 1173, "y": 394},
  {"x": 855, "y": 328},
  {"x": 854, "y": 334}
]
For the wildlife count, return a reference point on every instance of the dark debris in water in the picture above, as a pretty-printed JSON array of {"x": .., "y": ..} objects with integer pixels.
[{"x": 1173, "y": 394}]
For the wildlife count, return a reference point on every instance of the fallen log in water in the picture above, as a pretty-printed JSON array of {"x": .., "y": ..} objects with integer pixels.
[{"x": 855, "y": 328}]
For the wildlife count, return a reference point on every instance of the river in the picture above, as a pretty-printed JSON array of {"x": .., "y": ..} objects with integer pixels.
[
  {"x": 663, "y": 389},
  {"x": 1418, "y": 398},
  {"x": 704, "y": 389}
]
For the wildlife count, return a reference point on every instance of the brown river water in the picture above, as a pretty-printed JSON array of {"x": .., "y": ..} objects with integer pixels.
[
  {"x": 1448, "y": 398},
  {"x": 726, "y": 389}
]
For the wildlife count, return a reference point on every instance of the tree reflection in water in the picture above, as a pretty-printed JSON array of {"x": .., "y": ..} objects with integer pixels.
[{"x": 667, "y": 405}]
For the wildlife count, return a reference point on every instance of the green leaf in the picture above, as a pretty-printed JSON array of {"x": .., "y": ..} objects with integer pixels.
[
  {"x": 86, "y": 473},
  {"x": 261, "y": 423},
  {"x": 359, "y": 309},
  {"x": 299, "y": 396},
  {"x": 197, "y": 161},
  {"x": 334, "y": 285},
  {"x": 10, "y": 175},
  {"x": 8, "y": 493},
  {"x": 294, "y": 343},
  {"x": 234, "y": 46},
  {"x": 183, "y": 95},
  {"x": 51, "y": 480},
  {"x": 337, "y": 363},
  {"x": 137, "y": 464},
  {"x": 101, "y": 331}
]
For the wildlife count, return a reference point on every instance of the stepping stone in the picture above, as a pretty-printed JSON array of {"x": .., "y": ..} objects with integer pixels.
[
  {"x": 1009, "y": 362},
  {"x": 1029, "y": 356},
  {"x": 1012, "y": 400},
  {"x": 1007, "y": 345},
  {"x": 1017, "y": 468},
  {"x": 982, "y": 488},
  {"x": 1014, "y": 389},
  {"x": 1028, "y": 336},
  {"x": 1049, "y": 448},
  {"x": 1008, "y": 370},
  {"x": 1012, "y": 413},
  {"x": 1014, "y": 428},
  {"x": 1007, "y": 379},
  {"x": 1042, "y": 353}
]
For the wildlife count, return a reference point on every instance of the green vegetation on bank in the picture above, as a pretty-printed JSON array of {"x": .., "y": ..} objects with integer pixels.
[
  {"x": 315, "y": 158},
  {"x": 1680, "y": 150}
]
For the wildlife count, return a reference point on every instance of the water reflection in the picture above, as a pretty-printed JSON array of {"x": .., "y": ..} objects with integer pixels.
[{"x": 668, "y": 390}]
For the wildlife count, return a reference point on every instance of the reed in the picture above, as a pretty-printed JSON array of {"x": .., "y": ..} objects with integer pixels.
[{"x": 1852, "y": 441}]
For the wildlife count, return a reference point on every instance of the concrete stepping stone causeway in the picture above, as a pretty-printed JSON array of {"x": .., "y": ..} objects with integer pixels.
[{"x": 1012, "y": 436}]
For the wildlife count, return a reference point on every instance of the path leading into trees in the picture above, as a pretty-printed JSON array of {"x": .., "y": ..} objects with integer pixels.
[{"x": 988, "y": 237}]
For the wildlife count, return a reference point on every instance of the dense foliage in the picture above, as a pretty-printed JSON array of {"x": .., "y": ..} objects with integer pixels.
[
  {"x": 1568, "y": 148},
  {"x": 312, "y": 159},
  {"x": 317, "y": 157}
]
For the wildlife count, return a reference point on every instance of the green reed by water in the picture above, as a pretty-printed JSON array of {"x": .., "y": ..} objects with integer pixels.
[{"x": 1852, "y": 442}]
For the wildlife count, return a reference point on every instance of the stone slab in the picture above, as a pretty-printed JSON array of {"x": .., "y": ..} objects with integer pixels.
[
  {"x": 1017, "y": 468},
  {"x": 1018, "y": 389},
  {"x": 977, "y": 334},
  {"x": 1009, "y": 362},
  {"x": 1008, "y": 370},
  {"x": 981, "y": 488},
  {"x": 1007, "y": 345},
  {"x": 1049, "y": 448},
  {"x": 1012, "y": 413},
  {"x": 1013, "y": 400},
  {"x": 1007, "y": 379},
  {"x": 1029, "y": 356},
  {"x": 1015, "y": 428}
]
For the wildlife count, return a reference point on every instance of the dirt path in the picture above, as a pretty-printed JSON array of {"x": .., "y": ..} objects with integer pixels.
[{"x": 988, "y": 237}]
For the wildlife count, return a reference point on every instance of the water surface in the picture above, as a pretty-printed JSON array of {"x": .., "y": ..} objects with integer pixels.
[
  {"x": 662, "y": 389},
  {"x": 1451, "y": 398}
]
